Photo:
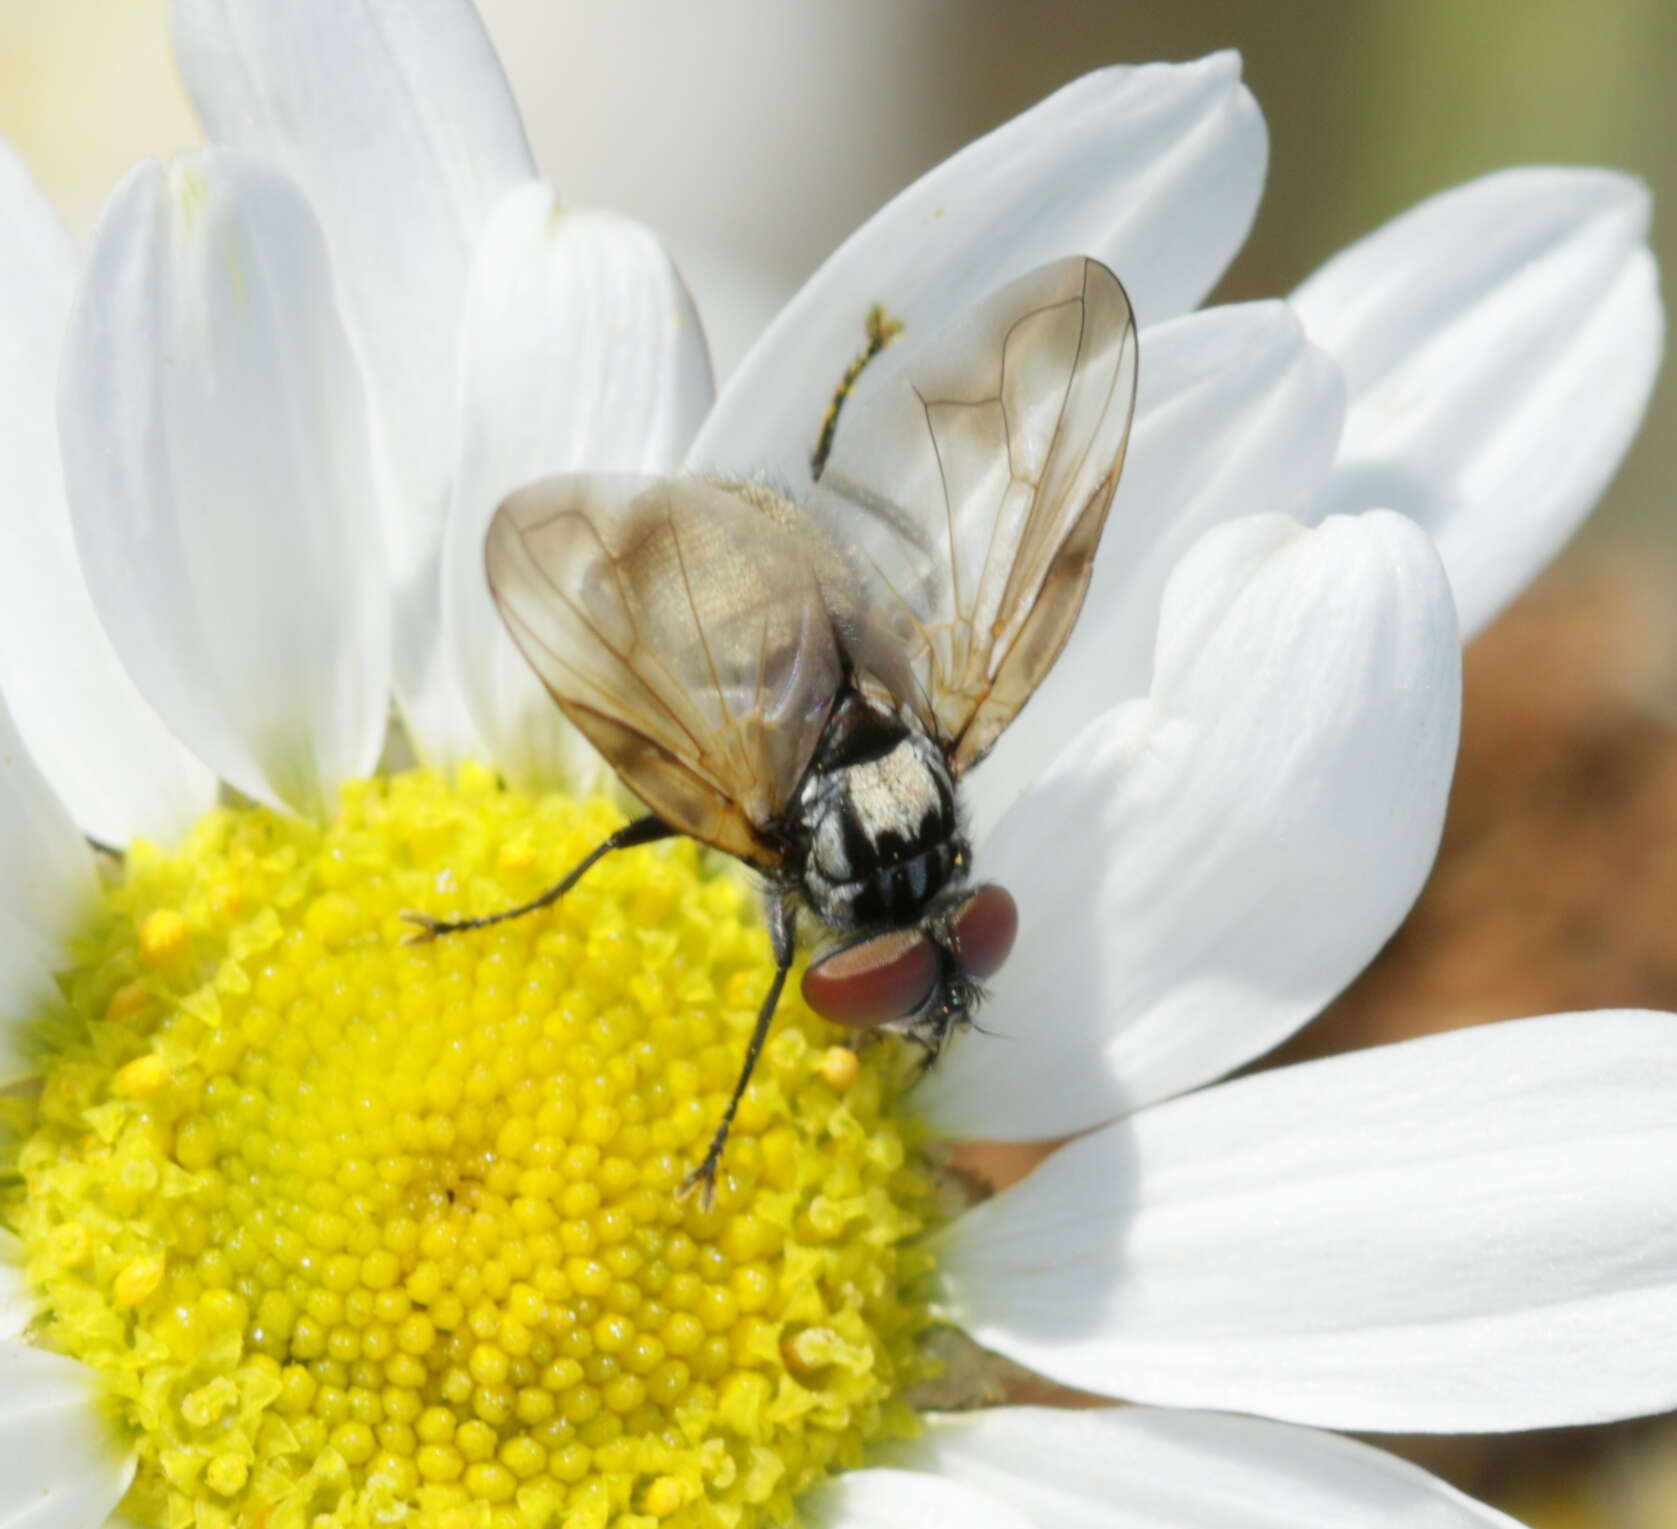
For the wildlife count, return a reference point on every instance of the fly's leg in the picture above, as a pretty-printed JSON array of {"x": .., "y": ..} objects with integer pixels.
[
  {"x": 783, "y": 941},
  {"x": 647, "y": 830}
]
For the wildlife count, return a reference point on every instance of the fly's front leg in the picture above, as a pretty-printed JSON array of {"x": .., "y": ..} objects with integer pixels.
[
  {"x": 783, "y": 924},
  {"x": 647, "y": 830}
]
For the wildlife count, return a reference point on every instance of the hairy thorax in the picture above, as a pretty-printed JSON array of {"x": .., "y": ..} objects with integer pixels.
[{"x": 877, "y": 813}]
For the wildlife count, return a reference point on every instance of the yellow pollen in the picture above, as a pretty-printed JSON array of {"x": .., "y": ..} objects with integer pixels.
[
  {"x": 141, "y": 1078},
  {"x": 361, "y": 1234},
  {"x": 137, "y": 1282},
  {"x": 227, "y": 1474},
  {"x": 127, "y": 1001},
  {"x": 664, "y": 1496},
  {"x": 518, "y": 858},
  {"x": 163, "y": 935},
  {"x": 839, "y": 1067},
  {"x": 71, "y": 1245}
]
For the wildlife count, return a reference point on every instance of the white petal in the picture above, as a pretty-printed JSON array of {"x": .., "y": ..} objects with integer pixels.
[
  {"x": 1200, "y": 872},
  {"x": 47, "y": 882},
  {"x": 1237, "y": 414},
  {"x": 27, "y": 993},
  {"x": 1138, "y": 1468},
  {"x": 396, "y": 119},
  {"x": 17, "y": 1306},
  {"x": 892, "y": 1499},
  {"x": 582, "y": 352},
  {"x": 114, "y": 764},
  {"x": 1155, "y": 170},
  {"x": 1469, "y": 1232},
  {"x": 1501, "y": 341},
  {"x": 218, "y": 469},
  {"x": 436, "y": 716},
  {"x": 61, "y": 1463}
]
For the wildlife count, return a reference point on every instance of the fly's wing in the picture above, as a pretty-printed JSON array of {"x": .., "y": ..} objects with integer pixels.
[
  {"x": 683, "y": 631},
  {"x": 969, "y": 490}
]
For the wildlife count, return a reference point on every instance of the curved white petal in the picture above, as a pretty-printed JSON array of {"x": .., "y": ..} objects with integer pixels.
[
  {"x": 16, "y": 1304},
  {"x": 1140, "y": 1468},
  {"x": 218, "y": 470},
  {"x": 47, "y": 882},
  {"x": 1501, "y": 341},
  {"x": 396, "y": 119},
  {"x": 1156, "y": 170},
  {"x": 60, "y": 1460},
  {"x": 27, "y": 993},
  {"x": 1201, "y": 871},
  {"x": 114, "y": 764},
  {"x": 582, "y": 352},
  {"x": 1468, "y": 1232},
  {"x": 893, "y": 1499},
  {"x": 1237, "y": 414},
  {"x": 436, "y": 716}
]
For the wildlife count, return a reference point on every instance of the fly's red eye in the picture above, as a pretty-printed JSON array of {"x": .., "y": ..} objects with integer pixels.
[
  {"x": 983, "y": 928},
  {"x": 874, "y": 981}
]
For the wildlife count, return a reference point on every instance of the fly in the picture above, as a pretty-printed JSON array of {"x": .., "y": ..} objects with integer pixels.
[{"x": 804, "y": 686}]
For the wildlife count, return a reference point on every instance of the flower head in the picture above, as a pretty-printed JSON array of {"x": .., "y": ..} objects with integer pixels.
[{"x": 310, "y": 1227}]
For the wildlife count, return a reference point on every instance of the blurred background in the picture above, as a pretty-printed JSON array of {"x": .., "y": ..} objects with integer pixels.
[{"x": 753, "y": 135}]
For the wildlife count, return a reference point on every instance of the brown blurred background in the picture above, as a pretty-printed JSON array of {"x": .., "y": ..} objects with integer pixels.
[{"x": 753, "y": 135}]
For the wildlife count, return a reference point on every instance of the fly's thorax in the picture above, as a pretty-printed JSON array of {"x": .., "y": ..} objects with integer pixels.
[{"x": 878, "y": 817}]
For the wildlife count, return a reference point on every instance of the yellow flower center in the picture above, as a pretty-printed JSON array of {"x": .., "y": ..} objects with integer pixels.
[{"x": 359, "y": 1233}]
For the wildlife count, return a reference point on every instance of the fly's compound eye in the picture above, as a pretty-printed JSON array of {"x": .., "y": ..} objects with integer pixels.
[
  {"x": 983, "y": 929},
  {"x": 874, "y": 981}
]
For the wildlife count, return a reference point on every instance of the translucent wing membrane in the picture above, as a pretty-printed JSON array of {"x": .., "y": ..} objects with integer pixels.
[
  {"x": 684, "y": 629},
  {"x": 969, "y": 490}
]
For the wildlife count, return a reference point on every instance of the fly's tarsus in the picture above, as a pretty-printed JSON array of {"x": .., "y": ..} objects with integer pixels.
[{"x": 426, "y": 928}]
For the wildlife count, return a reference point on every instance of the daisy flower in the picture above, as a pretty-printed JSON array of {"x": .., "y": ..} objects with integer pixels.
[{"x": 308, "y": 1228}]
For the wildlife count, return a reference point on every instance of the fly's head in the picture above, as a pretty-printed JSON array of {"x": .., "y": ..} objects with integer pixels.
[{"x": 923, "y": 981}]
